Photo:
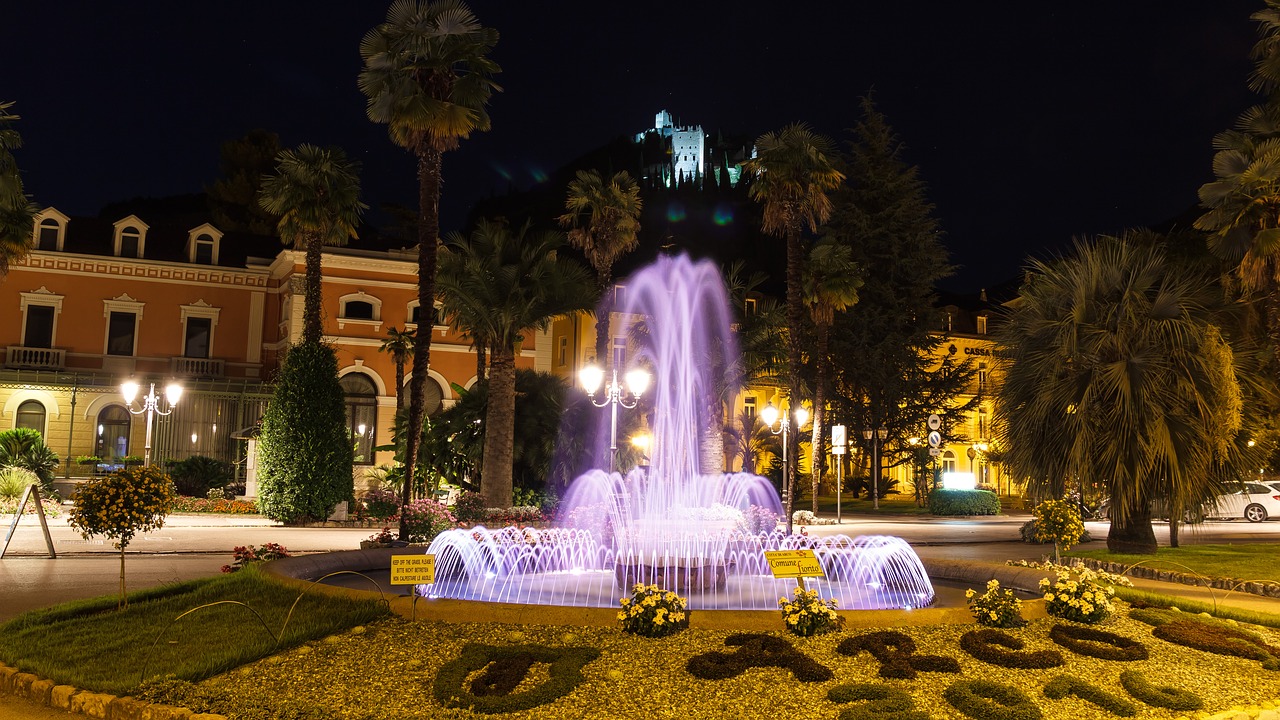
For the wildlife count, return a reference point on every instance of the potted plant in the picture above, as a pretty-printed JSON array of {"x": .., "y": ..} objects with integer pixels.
[
  {"x": 381, "y": 539},
  {"x": 88, "y": 459},
  {"x": 131, "y": 460}
]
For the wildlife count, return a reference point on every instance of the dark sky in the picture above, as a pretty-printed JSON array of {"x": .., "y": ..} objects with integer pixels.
[{"x": 1031, "y": 122}]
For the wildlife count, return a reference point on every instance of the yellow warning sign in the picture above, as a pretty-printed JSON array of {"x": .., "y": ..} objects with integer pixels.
[
  {"x": 413, "y": 569},
  {"x": 793, "y": 563}
]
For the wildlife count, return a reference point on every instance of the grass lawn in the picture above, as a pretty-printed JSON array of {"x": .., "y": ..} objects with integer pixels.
[
  {"x": 1245, "y": 562},
  {"x": 91, "y": 645},
  {"x": 889, "y": 505},
  {"x": 390, "y": 670}
]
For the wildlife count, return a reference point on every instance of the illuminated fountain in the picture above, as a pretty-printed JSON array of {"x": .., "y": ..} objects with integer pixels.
[{"x": 703, "y": 535}]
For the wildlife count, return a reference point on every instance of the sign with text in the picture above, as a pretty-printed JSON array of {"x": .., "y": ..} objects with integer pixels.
[
  {"x": 413, "y": 569},
  {"x": 793, "y": 563},
  {"x": 839, "y": 439}
]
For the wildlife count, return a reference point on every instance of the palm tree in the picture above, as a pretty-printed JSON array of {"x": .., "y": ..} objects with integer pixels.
[
  {"x": 317, "y": 198},
  {"x": 17, "y": 212},
  {"x": 427, "y": 75},
  {"x": 603, "y": 222},
  {"x": 831, "y": 283},
  {"x": 499, "y": 284},
  {"x": 399, "y": 344},
  {"x": 792, "y": 173},
  {"x": 1116, "y": 372},
  {"x": 1243, "y": 204}
]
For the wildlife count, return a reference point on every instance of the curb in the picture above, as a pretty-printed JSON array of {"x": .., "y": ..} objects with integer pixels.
[
  {"x": 103, "y": 706},
  {"x": 1265, "y": 589}
]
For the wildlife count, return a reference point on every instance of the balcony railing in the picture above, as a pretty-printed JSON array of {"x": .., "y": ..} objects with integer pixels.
[
  {"x": 17, "y": 357},
  {"x": 197, "y": 367}
]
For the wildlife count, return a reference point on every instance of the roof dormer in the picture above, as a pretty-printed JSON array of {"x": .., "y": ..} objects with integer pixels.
[
  {"x": 50, "y": 230},
  {"x": 203, "y": 243},
  {"x": 130, "y": 237}
]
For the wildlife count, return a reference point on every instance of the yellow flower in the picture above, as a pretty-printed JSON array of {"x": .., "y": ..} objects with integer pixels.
[{"x": 622, "y": 615}]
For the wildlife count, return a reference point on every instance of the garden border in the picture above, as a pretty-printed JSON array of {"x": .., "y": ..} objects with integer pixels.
[
  {"x": 1262, "y": 588},
  {"x": 104, "y": 706}
]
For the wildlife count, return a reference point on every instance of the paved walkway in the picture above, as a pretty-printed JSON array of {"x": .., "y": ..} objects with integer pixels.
[{"x": 193, "y": 546}]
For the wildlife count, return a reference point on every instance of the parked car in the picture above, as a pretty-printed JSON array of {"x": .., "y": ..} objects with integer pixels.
[{"x": 1255, "y": 503}]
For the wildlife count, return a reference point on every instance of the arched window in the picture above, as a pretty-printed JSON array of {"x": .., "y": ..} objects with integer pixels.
[
  {"x": 113, "y": 433},
  {"x": 362, "y": 413},
  {"x": 130, "y": 242},
  {"x": 50, "y": 233},
  {"x": 30, "y": 414},
  {"x": 948, "y": 461}
]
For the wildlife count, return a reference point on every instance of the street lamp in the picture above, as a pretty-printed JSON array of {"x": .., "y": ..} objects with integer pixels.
[
  {"x": 637, "y": 381},
  {"x": 876, "y": 437},
  {"x": 150, "y": 406},
  {"x": 769, "y": 415}
]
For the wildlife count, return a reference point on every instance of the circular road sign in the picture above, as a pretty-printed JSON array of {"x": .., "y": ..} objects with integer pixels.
[
  {"x": 935, "y": 439},
  {"x": 935, "y": 422}
]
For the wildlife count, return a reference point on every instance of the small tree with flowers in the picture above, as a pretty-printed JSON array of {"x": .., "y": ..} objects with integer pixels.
[
  {"x": 121, "y": 505},
  {"x": 1058, "y": 521}
]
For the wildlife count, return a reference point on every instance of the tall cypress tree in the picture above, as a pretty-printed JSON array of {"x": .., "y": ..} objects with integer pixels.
[
  {"x": 305, "y": 451},
  {"x": 885, "y": 349}
]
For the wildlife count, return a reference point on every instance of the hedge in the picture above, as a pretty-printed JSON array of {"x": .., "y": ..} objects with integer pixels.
[{"x": 963, "y": 502}]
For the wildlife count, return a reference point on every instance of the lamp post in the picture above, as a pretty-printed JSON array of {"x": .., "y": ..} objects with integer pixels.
[
  {"x": 637, "y": 381},
  {"x": 876, "y": 437},
  {"x": 150, "y": 406},
  {"x": 769, "y": 415}
]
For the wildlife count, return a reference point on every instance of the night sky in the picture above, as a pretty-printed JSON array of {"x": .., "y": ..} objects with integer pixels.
[{"x": 1031, "y": 122}]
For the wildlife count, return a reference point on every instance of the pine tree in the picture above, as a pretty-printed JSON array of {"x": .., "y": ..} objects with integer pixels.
[{"x": 885, "y": 349}]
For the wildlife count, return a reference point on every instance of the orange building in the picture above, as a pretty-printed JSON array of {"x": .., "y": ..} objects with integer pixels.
[{"x": 101, "y": 301}]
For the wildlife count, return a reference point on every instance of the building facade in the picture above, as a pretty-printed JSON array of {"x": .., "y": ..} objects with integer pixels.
[{"x": 102, "y": 301}]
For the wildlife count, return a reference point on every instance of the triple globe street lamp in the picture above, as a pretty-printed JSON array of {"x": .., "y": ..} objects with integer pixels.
[
  {"x": 615, "y": 394},
  {"x": 150, "y": 406},
  {"x": 877, "y": 438},
  {"x": 769, "y": 416}
]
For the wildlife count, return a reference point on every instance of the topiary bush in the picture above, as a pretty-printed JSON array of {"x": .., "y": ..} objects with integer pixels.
[
  {"x": 305, "y": 454},
  {"x": 1001, "y": 648},
  {"x": 1063, "y": 685},
  {"x": 1030, "y": 533},
  {"x": 986, "y": 699},
  {"x": 1098, "y": 643},
  {"x": 1165, "y": 696},
  {"x": 197, "y": 475},
  {"x": 896, "y": 653},
  {"x": 757, "y": 650},
  {"x": 963, "y": 502}
]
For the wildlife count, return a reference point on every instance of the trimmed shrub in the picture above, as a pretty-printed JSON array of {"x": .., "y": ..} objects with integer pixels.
[
  {"x": 380, "y": 504},
  {"x": 896, "y": 653},
  {"x": 305, "y": 453},
  {"x": 987, "y": 700},
  {"x": 1001, "y": 648},
  {"x": 1165, "y": 696},
  {"x": 963, "y": 502},
  {"x": 198, "y": 474},
  {"x": 757, "y": 650},
  {"x": 653, "y": 612},
  {"x": 1098, "y": 643},
  {"x": 887, "y": 702},
  {"x": 1064, "y": 685},
  {"x": 504, "y": 669}
]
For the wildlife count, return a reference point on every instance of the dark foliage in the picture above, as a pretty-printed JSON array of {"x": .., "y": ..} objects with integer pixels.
[
  {"x": 986, "y": 700},
  {"x": 1097, "y": 643},
  {"x": 1220, "y": 640},
  {"x": 757, "y": 650},
  {"x": 896, "y": 653},
  {"x": 1165, "y": 696},
  {"x": 1001, "y": 648},
  {"x": 887, "y": 702},
  {"x": 1064, "y": 685},
  {"x": 195, "y": 475},
  {"x": 509, "y": 666},
  {"x": 25, "y": 448}
]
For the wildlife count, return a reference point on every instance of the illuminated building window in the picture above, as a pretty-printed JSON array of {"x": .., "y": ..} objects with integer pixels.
[
  {"x": 113, "y": 433},
  {"x": 982, "y": 324},
  {"x": 563, "y": 358},
  {"x": 749, "y": 406},
  {"x": 199, "y": 321},
  {"x": 31, "y": 414},
  {"x": 362, "y": 413}
]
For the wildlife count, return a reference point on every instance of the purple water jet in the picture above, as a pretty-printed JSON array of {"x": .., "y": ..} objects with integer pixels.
[{"x": 675, "y": 524}]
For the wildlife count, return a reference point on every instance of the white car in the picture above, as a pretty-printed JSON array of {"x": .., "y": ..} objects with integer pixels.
[{"x": 1255, "y": 503}]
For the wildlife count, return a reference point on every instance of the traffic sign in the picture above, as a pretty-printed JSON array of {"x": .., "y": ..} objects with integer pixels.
[
  {"x": 935, "y": 452},
  {"x": 935, "y": 439},
  {"x": 839, "y": 440},
  {"x": 935, "y": 422}
]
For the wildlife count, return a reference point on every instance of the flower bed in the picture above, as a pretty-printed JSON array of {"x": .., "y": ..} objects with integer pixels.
[
  {"x": 713, "y": 673},
  {"x": 184, "y": 504}
]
